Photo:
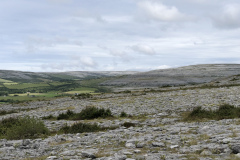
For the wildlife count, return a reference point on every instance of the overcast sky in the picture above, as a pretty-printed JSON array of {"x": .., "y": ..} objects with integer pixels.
[{"x": 117, "y": 35}]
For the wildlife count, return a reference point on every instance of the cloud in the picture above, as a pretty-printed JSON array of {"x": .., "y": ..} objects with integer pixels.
[
  {"x": 34, "y": 43},
  {"x": 163, "y": 67},
  {"x": 74, "y": 63},
  {"x": 229, "y": 17},
  {"x": 89, "y": 15},
  {"x": 88, "y": 61},
  {"x": 160, "y": 12},
  {"x": 113, "y": 52},
  {"x": 145, "y": 49},
  {"x": 61, "y": 1}
]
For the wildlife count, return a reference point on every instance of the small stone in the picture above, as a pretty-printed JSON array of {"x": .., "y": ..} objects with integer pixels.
[
  {"x": 87, "y": 154},
  {"x": 140, "y": 145},
  {"x": 130, "y": 145},
  {"x": 236, "y": 149},
  {"x": 206, "y": 153},
  {"x": 137, "y": 151},
  {"x": 226, "y": 140},
  {"x": 158, "y": 144},
  {"x": 26, "y": 142},
  {"x": 174, "y": 146},
  {"x": 127, "y": 153},
  {"x": 51, "y": 157},
  {"x": 238, "y": 155},
  {"x": 120, "y": 157}
]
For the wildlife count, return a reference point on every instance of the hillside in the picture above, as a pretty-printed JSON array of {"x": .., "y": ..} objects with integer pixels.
[
  {"x": 195, "y": 74},
  {"x": 26, "y": 77}
]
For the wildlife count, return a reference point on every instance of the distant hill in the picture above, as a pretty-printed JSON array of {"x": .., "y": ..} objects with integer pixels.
[
  {"x": 195, "y": 74},
  {"x": 19, "y": 76}
]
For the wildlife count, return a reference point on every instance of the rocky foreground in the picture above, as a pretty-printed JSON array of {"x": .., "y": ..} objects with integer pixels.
[{"x": 158, "y": 131}]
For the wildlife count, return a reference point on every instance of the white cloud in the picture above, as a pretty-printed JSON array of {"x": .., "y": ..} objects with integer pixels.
[
  {"x": 88, "y": 62},
  {"x": 163, "y": 67},
  {"x": 145, "y": 49},
  {"x": 228, "y": 18},
  {"x": 160, "y": 12}
]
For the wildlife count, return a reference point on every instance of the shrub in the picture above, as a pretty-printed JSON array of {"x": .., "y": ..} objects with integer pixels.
[
  {"x": 224, "y": 111},
  {"x": 123, "y": 114},
  {"x": 50, "y": 117},
  {"x": 66, "y": 115},
  {"x": 83, "y": 96},
  {"x": 80, "y": 128},
  {"x": 22, "y": 128},
  {"x": 87, "y": 113},
  {"x": 92, "y": 113},
  {"x": 227, "y": 111},
  {"x": 128, "y": 124}
]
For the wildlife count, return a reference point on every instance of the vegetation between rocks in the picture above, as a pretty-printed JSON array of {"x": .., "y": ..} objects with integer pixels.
[
  {"x": 225, "y": 111},
  {"x": 83, "y": 127},
  {"x": 87, "y": 113},
  {"x": 22, "y": 128}
]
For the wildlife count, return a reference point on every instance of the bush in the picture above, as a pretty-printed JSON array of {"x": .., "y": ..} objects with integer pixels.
[
  {"x": 80, "y": 128},
  {"x": 65, "y": 115},
  {"x": 83, "y": 96},
  {"x": 227, "y": 111},
  {"x": 92, "y": 113},
  {"x": 22, "y": 128},
  {"x": 224, "y": 111},
  {"x": 128, "y": 124},
  {"x": 87, "y": 113},
  {"x": 123, "y": 114}
]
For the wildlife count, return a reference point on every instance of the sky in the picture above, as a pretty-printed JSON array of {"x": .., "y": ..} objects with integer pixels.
[{"x": 117, "y": 35}]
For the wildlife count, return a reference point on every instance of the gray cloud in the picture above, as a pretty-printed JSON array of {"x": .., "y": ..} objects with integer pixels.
[
  {"x": 228, "y": 18},
  {"x": 145, "y": 49},
  {"x": 82, "y": 13},
  {"x": 34, "y": 43}
]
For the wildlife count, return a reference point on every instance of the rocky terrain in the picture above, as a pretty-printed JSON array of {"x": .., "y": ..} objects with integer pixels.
[
  {"x": 196, "y": 74},
  {"x": 158, "y": 131},
  {"x": 156, "y": 128}
]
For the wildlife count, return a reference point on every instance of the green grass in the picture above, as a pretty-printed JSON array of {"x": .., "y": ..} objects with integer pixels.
[
  {"x": 58, "y": 83},
  {"x": 81, "y": 90},
  {"x": 12, "y": 83},
  {"x": 5, "y": 81},
  {"x": 225, "y": 111}
]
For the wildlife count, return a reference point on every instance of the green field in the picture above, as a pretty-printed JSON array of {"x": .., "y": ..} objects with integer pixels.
[
  {"x": 5, "y": 81},
  {"x": 82, "y": 90},
  {"x": 17, "y": 91},
  {"x": 58, "y": 83},
  {"x": 10, "y": 83}
]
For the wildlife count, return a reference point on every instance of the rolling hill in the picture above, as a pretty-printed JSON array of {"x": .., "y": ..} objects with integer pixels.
[{"x": 195, "y": 74}]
